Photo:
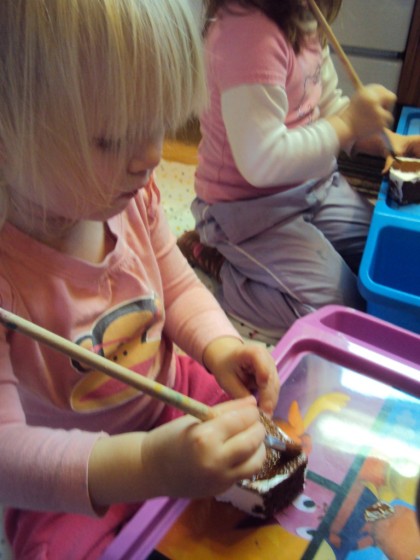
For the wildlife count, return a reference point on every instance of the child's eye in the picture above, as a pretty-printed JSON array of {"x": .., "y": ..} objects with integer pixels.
[{"x": 107, "y": 145}]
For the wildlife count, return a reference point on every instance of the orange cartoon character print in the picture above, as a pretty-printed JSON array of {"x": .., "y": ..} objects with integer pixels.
[
  {"x": 378, "y": 517},
  {"x": 306, "y": 513},
  {"x": 296, "y": 425},
  {"x": 127, "y": 334}
]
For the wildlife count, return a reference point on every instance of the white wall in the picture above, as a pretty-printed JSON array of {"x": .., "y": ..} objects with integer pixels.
[{"x": 374, "y": 35}]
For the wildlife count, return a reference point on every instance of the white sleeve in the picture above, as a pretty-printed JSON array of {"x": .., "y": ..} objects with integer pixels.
[
  {"x": 265, "y": 151},
  {"x": 332, "y": 99}
]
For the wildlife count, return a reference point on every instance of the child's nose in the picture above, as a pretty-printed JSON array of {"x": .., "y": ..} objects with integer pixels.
[{"x": 145, "y": 157}]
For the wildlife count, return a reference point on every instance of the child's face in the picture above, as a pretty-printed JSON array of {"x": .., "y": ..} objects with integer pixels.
[
  {"x": 118, "y": 183},
  {"x": 121, "y": 185}
]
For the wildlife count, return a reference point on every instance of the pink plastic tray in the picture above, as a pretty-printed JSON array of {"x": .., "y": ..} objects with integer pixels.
[
  {"x": 350, "y": 393},
  {"x": 347, "y": 337}
]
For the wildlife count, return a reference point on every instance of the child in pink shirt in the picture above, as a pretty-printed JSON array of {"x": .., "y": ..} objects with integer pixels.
[
  {"x": 288, "y": 229},
  {"x": 87, "y": 91}
]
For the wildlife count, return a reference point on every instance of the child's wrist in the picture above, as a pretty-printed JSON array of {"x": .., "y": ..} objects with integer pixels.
[
  {"x": 344, "y": 132},
  {"x": 115, "y": 471},
  {"x": 218, "y": 350}
]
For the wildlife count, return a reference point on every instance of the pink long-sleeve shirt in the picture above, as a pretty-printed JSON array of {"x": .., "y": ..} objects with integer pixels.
[
  {"x": 129, "y": 308},
  {"x": 263, "y": 130}
]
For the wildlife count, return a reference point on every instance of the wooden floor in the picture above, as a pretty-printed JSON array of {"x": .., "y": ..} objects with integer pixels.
[
  {"x": 182, "y": 147},
  {"x": 363, "y": 172},
  {"x": 182, "y": 152}
]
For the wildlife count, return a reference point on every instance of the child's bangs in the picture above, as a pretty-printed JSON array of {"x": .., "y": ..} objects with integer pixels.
[
  {"x": 148, "y": 72},
  {"x": 80, "y": 70}
]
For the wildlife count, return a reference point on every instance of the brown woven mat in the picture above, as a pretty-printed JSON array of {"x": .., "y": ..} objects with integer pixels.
[{"x": 363, "y": 172}]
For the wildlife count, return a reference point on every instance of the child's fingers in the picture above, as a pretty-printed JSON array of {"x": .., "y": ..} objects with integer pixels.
[
  {"x": 263, "y": 377},
  {"x": 379, "y": 94},
  {"x": 246, "y": 465},
  {"x": 268, "y": 384},
  {"x": 235, "y": 386},
  {"x": 237, "y": 418},
  {"x": 235, "y": 405},
  {"x": 238, "y": 428},
  {"x": 241, "y": 443},
  {"x": 242, "y": 446},
  {"x": 267, "y": 400},
  {"x": 386, "y": 100},
  {"x": 387, "y": 118},
  {"x": 412, "y": 146},
  {"x": 205, "y": 458},
  {"x": 388, "y": 163}
]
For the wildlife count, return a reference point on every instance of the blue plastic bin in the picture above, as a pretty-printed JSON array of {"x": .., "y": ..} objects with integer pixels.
[{"x": 389, "y": 277}]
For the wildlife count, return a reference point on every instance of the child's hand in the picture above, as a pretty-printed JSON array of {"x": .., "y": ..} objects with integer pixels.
[
  {"x": 188, "y": 458},
  {"x": 369, "y": 110},
  {"x": 405, "y": 146},
  {"x": 368, "y": 113},
  {"x": 241, "y": 369}
]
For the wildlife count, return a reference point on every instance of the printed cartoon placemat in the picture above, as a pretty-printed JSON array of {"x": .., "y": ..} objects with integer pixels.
[{"x": 363, "y": 442}]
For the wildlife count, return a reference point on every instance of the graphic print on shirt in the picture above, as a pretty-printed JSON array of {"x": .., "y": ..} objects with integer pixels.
[
  {"x": 306, "y": 105},
  {"x": 124, "y": 334}
]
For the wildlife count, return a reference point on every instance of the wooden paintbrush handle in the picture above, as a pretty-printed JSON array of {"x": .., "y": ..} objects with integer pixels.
[
  {"x": 152, "y": 388},
  {"x": 351, "y": 72},
  {"x": 347, "y": 65},
  {"x": 72, "y": 350}
]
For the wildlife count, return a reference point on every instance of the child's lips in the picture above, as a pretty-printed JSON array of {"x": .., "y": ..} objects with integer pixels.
[{"x": 130, "y": 194}]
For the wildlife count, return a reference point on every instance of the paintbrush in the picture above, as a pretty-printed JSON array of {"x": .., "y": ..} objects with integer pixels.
[
  {"x": 152, "y": 388},
  {"x": 347, "y": 65},
  {"x": 292, "y": 449}
]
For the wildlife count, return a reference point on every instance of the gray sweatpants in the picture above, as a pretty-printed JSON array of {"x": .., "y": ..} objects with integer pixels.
[{"x": 290, "y": 253}]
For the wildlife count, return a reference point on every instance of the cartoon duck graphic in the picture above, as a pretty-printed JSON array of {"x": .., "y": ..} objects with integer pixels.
[{"x": 124, "y": 334}]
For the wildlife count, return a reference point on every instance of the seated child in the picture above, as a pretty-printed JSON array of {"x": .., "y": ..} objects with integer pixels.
[
  {"x": 276, "y": 223},
  {"x": 87, "y": 91}
]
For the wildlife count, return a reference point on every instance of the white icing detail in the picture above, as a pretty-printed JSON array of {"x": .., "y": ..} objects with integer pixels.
[
  {"x": 265, "y": 485},
  {"x": 400, "y": 176},
  {"x": 243, "y": 499},
  {"x": 400, "y": 179},
  {"x": 248, "y": 495}
]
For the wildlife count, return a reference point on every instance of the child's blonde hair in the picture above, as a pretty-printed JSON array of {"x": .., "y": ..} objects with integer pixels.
[{"x": 73, "y": 70}]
